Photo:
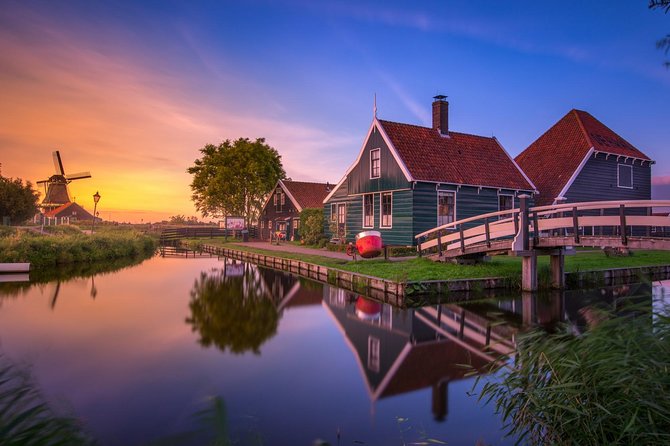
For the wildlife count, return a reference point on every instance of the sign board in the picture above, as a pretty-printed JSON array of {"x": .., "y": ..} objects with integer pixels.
[{"x": 235, "y": 223}]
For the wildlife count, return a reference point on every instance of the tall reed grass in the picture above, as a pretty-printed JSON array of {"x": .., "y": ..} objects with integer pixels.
[{"x": 608, "y": 386}]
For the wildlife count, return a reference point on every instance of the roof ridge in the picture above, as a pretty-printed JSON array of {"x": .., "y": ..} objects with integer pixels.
[
  {"x": 430, "y": 128},
  {"x": 581, "y": 125}
]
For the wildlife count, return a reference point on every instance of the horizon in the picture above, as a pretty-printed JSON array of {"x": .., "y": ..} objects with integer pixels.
[{"x": 130, "y": 91}]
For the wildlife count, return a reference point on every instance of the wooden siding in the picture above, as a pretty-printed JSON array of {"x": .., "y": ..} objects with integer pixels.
[
  {"x": 470, "y": 202},
  {"x": 598, "y": 181},
  {"x": 270, "y": 214},
  {"x": 401, "y": 233},
  {"x": 391, "y": 177}
]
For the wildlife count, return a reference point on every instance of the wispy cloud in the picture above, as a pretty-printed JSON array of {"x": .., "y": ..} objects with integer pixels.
[
  {"x": 135, "y": 126},
  {"x": 660, "y": 180}
]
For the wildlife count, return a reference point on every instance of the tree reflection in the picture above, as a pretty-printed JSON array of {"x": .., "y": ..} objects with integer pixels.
[{"x": 232, "y": 308}]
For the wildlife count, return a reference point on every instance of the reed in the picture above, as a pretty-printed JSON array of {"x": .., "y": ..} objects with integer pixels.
[{"x": 609, "y": 385}]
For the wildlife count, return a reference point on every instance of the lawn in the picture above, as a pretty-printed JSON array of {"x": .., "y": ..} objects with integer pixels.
[{"x": 415, "y": 269}]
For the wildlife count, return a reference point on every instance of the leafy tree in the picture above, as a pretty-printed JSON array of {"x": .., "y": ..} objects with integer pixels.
[
  {"x": 311, "y": 226},
  {"x": 234, "y": 177},
  {"x": 17, "y": 201},
  {"x": 664, "y": 43},
  {"x": 234, "y": 312}
]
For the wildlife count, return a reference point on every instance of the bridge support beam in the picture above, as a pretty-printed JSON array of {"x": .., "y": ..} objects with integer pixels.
[
  {"x": 557, "y": 265},
  {"x": 529, "y": 271}
]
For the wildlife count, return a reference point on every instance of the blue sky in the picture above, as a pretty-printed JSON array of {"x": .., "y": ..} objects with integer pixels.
[{"x": 132, "y": 90}]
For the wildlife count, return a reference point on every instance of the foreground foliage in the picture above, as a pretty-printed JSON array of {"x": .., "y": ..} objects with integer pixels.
[
  {"x": 25, "y": 416},
  {"x": 72, "y": 246},
  {"x": 610, "y": 385}
]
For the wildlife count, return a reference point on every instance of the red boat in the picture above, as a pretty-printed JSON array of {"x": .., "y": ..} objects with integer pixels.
[
  {"x": 369, "y": 244},
  {"x": 368, "y": 310}
]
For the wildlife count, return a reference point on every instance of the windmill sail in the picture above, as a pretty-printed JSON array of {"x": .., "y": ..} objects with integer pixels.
[
  {"x": 58, "y": 163},
  {"x": 78, "y": 176}
]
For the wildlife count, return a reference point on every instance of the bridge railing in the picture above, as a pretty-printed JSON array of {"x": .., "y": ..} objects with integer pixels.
[{"x": 610, "y": 217}]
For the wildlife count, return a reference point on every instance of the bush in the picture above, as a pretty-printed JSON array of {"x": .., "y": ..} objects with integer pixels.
[
  {"x": 311, "y": 226},
  {"x": 68, "y": 247}
]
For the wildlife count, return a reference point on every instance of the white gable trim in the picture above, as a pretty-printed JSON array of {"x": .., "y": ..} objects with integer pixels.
[
  {"x": 290, "y": 195},
  {"x": 335, "y": 188},
  {"x": 575, "y": 174},
  {"x": 392, "y": 149},
  {"x": 516, "y": 165}
]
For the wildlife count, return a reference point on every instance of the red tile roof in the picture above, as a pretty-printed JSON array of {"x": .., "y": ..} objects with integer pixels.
[
  {"x": 308, "y": 195},
  {"x": 73, "y": 209},
  {"x": 459, "y": 158},
  {"x": 552, "y": 159}
]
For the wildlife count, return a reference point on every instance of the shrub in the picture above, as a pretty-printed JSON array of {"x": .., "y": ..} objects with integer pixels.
[{"x": 311, "y": 226}]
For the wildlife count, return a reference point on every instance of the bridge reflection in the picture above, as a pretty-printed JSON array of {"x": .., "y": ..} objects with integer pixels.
[{"x": 400, "y": 351}]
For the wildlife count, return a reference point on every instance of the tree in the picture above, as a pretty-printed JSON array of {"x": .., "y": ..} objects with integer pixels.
[
  {"x": 664, "y": 43},
  {"x": 17, "y": 201},
  {"x": 233, "y": 311},
  {"x": 234, "y": 177},
  {"x": 311, "y": 226}
]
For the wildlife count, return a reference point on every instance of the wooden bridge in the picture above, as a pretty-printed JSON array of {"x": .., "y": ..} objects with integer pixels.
[{"x": 550, "y": 230}]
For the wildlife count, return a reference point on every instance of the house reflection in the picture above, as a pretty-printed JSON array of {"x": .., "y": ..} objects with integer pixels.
[{"x": 400, "y": 351}]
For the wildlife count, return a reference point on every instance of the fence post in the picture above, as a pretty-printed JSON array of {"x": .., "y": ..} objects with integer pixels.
[
  {"x": 488, "y": 232},
  {"x": 460, "y": 230},
  {"x": 622, "y": 217},
  {"x": 439, "y": 243},
  {"x": 575, "y": 224},
  {"x": 536, "y": 229}
]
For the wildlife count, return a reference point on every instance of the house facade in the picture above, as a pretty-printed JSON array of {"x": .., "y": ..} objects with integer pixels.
[
  {"x": 281, "y": 212},
  {"x": 581, "y": 159},
  {"x": 408, "y": 179}
]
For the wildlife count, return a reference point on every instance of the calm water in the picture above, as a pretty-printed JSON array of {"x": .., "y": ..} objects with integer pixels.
[{"x": 138, "y": 352}]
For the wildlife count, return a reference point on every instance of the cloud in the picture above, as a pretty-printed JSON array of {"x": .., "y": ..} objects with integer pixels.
[
  {"x": 660, "y": 180},
  {"x": 134, "y": 124}
]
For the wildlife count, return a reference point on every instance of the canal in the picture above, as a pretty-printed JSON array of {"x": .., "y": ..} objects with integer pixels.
[{"x": 172, "y": 349}]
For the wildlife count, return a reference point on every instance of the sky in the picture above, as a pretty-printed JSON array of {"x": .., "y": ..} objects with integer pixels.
[{"x": 131, "y": 91}]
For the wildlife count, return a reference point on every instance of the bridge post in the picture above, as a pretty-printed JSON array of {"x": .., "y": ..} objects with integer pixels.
[
  {"x": 521, "y": 245},
  {"x": 557, "y": 264},
  {"x": 529, "y": 271}
]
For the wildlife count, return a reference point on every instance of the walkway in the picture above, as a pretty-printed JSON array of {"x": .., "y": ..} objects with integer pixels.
[{"x": 294, "y": 249}]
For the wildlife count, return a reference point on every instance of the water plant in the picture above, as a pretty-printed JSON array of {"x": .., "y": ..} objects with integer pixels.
[
  {"x": 26, "y": 418},
  {"x": 608, "y": 385}
]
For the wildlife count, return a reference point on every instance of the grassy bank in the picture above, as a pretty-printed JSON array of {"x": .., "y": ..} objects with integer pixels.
[
  {"x": 416, "y": 269},
  {"x": 67, "y": 245}
]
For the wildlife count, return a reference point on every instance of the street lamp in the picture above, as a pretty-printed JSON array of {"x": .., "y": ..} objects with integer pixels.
[{"x": 96, "y": 198}]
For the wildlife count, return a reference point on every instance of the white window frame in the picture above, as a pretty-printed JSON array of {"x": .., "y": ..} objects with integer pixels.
[
  {"x": 379, "y": 165},
  {"x": 372, "y": 216},
  {"x": 618, "y": 175},
  {"x": 381, "y": 211},
  {"x": 437, "y": 204},
  {"x": 374, "y": 350},
  {"x": 507, "y": 215},
  {"x": 344, "y": 214}
]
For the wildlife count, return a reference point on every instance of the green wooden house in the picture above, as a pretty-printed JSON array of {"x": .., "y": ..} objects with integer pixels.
[{"x": 408, "y": 179}]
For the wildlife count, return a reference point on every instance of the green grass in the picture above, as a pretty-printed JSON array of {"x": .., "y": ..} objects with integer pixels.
[
  {"x": 421, "y": 269},
  {"x": 73, "y": 246}
]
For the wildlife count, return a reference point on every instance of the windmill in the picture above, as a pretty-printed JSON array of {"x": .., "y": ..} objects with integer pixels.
[{"x": 56, "y": 193}]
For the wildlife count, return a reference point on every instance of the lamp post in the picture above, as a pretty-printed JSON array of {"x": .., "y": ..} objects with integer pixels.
[{"x": 96, "y": 198}]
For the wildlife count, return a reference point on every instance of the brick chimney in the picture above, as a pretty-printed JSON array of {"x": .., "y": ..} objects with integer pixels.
[{"x": 441, "y": 114}]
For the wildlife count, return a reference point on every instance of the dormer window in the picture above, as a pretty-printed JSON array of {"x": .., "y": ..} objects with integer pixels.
[{"x": 375, "y": 163}]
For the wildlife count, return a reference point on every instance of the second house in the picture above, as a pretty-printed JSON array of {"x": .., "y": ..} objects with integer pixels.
[{"x": 408, "y": 179}]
